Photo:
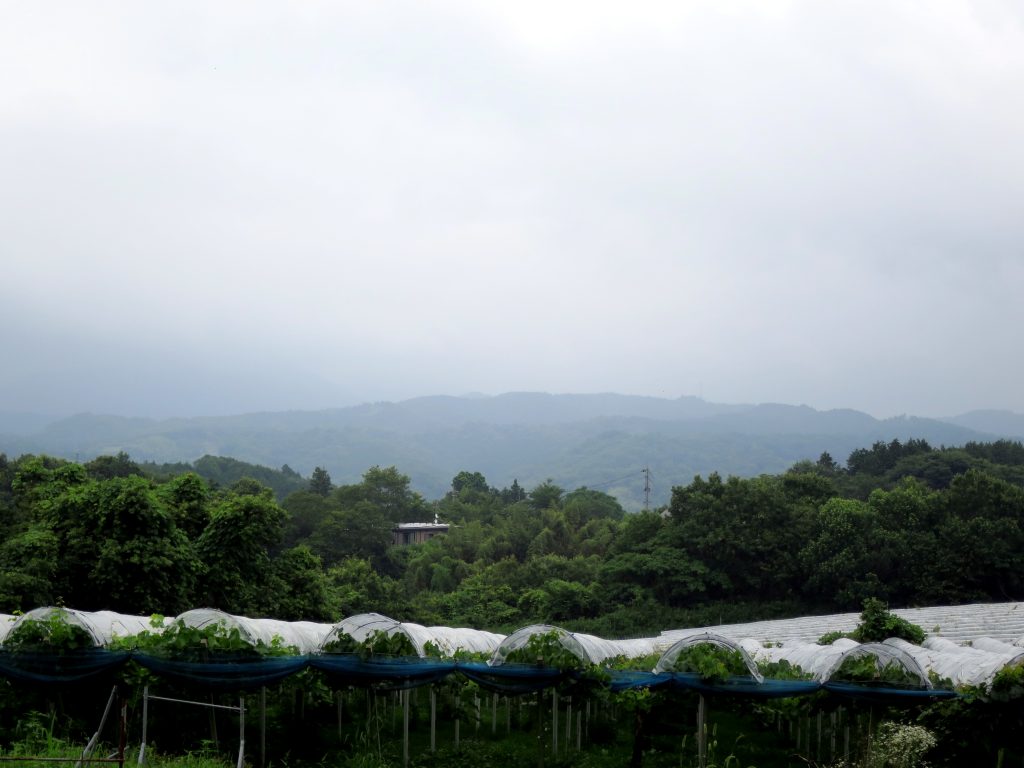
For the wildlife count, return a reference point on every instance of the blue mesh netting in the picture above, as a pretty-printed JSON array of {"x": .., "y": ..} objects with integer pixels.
[
  {"x": 86, "y": 665},
  {"x": 885, "y": 694},
  {"x": 746, "y": 687},
  {"x": 224, "y": 673},
  {"x": 512, "y": 678},
  {"x": 625, "y": 680},
  {"x": 394, "y": 673},
  {"x": 240, "y": 672}
]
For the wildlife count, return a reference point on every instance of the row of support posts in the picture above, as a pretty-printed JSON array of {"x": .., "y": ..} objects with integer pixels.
[
  {"x": 405, "y": 697},
  {"x": 803, "y": 730},
  {"x": 572, "y": 735},
  {"x": 800, "y": 731},
  {"x": 571, "y": 728},
  {"x": 240, "y": 709},
  {"x": 831, "y": 734}
]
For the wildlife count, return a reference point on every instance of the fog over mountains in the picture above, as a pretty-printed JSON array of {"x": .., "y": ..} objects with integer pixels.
[{"x": 602, "y": 441}]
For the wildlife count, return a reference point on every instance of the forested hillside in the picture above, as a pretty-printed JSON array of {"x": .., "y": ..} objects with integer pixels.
[
  {"x": 601, "y": 441},
  {"x": 902, "y": 521}
]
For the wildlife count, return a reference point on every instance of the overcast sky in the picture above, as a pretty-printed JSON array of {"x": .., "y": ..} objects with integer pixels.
[{"x": 213, "y": 208}]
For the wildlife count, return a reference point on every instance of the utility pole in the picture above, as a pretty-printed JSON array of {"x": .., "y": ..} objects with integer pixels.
[{"x": 647, "y": 488}]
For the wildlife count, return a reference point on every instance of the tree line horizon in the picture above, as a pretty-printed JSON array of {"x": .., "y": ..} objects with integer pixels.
[{"x": 904, "y": 522}]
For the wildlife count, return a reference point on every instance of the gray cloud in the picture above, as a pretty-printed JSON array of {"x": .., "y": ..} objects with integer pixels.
[{"x": 256, "y": 206}]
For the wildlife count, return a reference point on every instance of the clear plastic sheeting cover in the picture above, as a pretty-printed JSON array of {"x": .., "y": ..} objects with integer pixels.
[
  {"x": 101, "y": 626},
  {"x": 960, "y": 623},
  {"x": 812, "y": 658},
  {"x": 521, "y": 637},
  {"x": 668, "y": 658},
  {"x": 884, "y": 655},
  {"x": 587, "y": 648},
  {"x": 6, "y": 622},
  {"x": 448, "y": 640},
  {"x": 963, "y": 665},
  {"x": 107, "y": 625},
  {"x": 975, "y": 664},
  {"x": 200, "y": 618},
  {"x": 986, "y": 637},
  {"x": 453, "y": 639},
  {"x": 305, "y": 636}
]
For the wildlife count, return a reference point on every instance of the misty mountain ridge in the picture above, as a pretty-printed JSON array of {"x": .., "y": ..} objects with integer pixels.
[{"x": 598, "y": 440}]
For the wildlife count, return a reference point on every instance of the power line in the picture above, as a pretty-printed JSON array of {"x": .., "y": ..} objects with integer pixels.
[{"x": 595, "y": 486}]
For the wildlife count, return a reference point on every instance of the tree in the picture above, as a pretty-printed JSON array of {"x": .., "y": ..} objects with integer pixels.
[
  {"x": 827, "y": 464},
  {"x": 301, "y": 589},
  {"x": 479, "y": 603},
  {"x": 320, "y": 482},
  {"x": 746, "y": 530},
  {"x": 107, "y": 467},
  {"x": 546, "y": 495},
  {"x": 848, "y": 558},
  {"x": 121, "y": 550},
  {"x": 360, "y": 588},
  {"x": 564, "y": 600},
  {"x": 187, "y": 496},
  {"x": 145, "y": 564},
  {"x": 360, "y": 530},
  {"x": 470, "y": 482},
  {"x": 983, "y": 532},
  {"x": 513, "y": 494},
  {"x": 28, "y": 569},
  {"x": 583, "y": 505},
  {"x": 388, "y": 491},
  {"x": 306, "y": 512},
  {"x": 236, "y": 549}
]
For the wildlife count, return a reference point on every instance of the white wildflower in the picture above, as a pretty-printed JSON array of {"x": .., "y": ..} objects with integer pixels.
[{"x": 901, "y": 746}]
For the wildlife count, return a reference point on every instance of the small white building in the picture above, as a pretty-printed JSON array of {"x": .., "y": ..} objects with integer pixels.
[{"x": 417, "y": 533}]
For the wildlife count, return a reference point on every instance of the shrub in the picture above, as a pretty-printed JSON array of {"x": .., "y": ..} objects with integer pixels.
[{"x": 878, "y": 624}]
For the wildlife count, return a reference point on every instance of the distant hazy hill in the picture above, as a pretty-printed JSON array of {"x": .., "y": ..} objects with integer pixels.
[
  {"x": 602, "y": 441},
  {"x": 1002, "y": 423}
]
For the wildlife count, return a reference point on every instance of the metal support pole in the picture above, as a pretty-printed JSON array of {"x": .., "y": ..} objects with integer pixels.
[
  {"x": 241, "y": 732},
  {"x": 702, "y": 733},
  {"x": 832, "y": 738},
  {"x": 122, "y": 740},
  {"x": 145, "y": 724},
  {"x": 817, "y": 750},
  {"x": 554, "y": 721},
  {"x": 87, "y": 752},
  {"x": 213, "y": 725},
  {"x": 871, "y": 717},
  {"x": 568, "y": 723},
  {"x": 540, "y": 729},
  {"x": 405, "y": 727},
  {"x": 433, "y": 720},
  {"x": 341, "y": 696},
  {"x": 263, "y": 726}
]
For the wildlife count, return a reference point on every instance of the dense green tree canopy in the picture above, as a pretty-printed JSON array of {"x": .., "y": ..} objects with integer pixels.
[{"x": 902, "y": 522}]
